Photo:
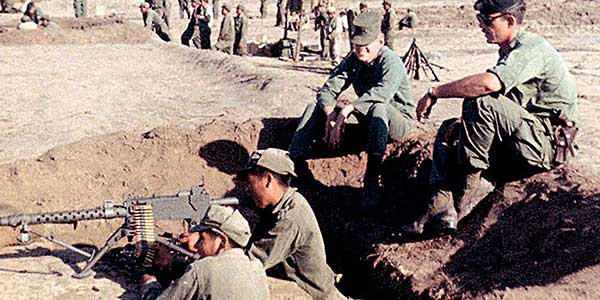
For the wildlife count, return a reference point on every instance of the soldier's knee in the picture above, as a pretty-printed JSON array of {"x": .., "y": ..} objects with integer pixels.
[{"x": 475, "y": 107}]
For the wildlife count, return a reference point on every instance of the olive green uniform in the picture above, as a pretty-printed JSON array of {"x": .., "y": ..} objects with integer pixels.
[
  {"x": 517, "y": 120},
  {"x": 230, "y": 275},
  {"x": 154, "y": 22},
  {"x": 289, "y": 237},
  {"x": 384, "y": 103},
  {"x": 241, "y": 33},
  {"x": 387, "y": 27},
  {"x": 226, "y": 35}
]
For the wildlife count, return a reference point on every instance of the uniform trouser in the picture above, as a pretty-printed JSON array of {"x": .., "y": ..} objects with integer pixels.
[
  {"x": 225, "y": 46},
  {"x": 202, "y": 39},
  {"x": 388, "y": 39},
  {"x": 382, "y": 121},
  {"x": 280, "y": 13},
  {"x": 184, "y": 9},
  {"x": 237, "y": 49},
  {"x": 263, "y": 9},
  {"x": 492, "y": 125}
]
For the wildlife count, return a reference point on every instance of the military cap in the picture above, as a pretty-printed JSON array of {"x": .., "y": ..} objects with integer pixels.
[
  {"x": 226, "y": 7},
  {"x": 388, "y": 2},
  {"x": 196, "y": 1},
  {"x": 44, "y": 17},
  {"x": 145, "y": 5},
  {"x": 368, "y": 27},
  {"x": 331, "y": 10},
  {"x": 226, "y": 220},
  {"x": 273, "y": 159},
  {"x": 25, "y": 18},
  {"x": 241, "y": 7},
  {"x": 362, "y": 5},
  {"x": 489, "y": 7}
]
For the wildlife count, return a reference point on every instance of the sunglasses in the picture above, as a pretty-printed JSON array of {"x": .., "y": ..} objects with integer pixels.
[{"x": 487, "y": 20}]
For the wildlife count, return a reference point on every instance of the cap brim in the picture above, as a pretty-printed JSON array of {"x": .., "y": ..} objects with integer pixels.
[
  {"x": 200, "y": 228},
  {"x": 364, "y": 39}
]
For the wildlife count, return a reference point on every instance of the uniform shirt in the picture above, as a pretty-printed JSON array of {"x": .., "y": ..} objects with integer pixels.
[
  {"x": 534, "y": 75},
  {"x": 227, "y": 32},
  {"x": 388, "y": 21},
  {"x": 230, "y": 275},
  {"x": 152, "y": 20},
  {"x": 241, "y": 27},
  {"x": 382, "y": 81},
  {"x": 27, "y": 26},
  {"x": 289, "y": 237}
]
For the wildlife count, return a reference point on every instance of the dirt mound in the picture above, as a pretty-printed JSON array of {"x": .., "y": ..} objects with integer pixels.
[
  {"x": 529, "y": 235},
  {"x": 78, "y": 31}
]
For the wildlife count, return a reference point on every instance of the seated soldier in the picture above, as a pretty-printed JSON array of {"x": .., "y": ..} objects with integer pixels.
[
  {"x": 224, "y": 271},
  {"x": 27, "y": 24},
  {"x": 288, "y": 237},
  {"x": 385, "y": 105},
  {"x": 45, "y": 22},
  {"x": 510, "y": 115}
]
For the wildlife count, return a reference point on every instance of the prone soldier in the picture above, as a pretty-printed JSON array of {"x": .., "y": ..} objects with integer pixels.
[{"x": 224, "y": 270}]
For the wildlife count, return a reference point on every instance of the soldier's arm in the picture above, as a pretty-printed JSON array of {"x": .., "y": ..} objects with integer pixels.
[
  {"x": 148, "y": 20},
  {"x": 338, "y": 82},
  {"x": 393, "y": 75},
  {"x": 276, "y": 245},
  {"x": 244, "y": 31},
  {"x": 519, "y": 67}
]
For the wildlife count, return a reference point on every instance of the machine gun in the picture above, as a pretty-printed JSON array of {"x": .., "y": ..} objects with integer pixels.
[{"x": 138, "y": 226}]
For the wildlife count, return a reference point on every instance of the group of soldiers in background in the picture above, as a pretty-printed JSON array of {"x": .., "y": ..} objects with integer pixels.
[
  {"x": 232, "y": 33},
  {"x": 33, "y": 18}
]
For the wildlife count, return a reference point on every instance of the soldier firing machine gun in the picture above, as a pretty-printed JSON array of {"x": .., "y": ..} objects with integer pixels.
[{"x": 138, "y": 226}]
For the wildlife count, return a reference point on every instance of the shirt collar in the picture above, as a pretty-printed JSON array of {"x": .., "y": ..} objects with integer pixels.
[{"x": 284, "y": 200}]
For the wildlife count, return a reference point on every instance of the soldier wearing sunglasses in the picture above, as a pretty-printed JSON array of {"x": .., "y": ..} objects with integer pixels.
[{"x": 508, "y": 115}]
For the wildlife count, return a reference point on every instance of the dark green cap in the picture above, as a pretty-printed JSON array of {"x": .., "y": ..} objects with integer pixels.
[
  {"x": 488, "y": 7},
  {"x": 368, "y": 27}
]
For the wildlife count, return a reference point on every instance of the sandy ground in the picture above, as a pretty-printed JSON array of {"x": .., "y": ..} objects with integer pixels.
[{"x": 73, "y": 115}]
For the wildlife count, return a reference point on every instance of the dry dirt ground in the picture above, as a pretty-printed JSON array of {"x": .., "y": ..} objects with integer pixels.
[{"x": 102, "y": 109}]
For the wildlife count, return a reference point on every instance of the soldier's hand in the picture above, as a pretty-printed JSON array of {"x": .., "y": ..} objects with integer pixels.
[
  {"x": 329, "y": 122},
  {"x": 424, "y": 107},
  {"x": 335, "y": 137},
  {"x": 189, "y": 240},
  {"x": 147, "y": 278}
]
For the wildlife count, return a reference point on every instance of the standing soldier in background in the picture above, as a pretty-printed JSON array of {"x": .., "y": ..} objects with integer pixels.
[
  {"x": 154, "y": 22},
  {"x": 263, "y": 9},
  {"x": 203, "y": 18},
  {"x": 192, "y": 28},
  {"x": 215, "y": 7},
  {"x": 241, "y": 31},
  {"x": 80, "y": 7},
  {"x": 388, "y": 24},
  {"x": 409, "y": 21},
  {"x": 184, "y": 9},
  {"x": 280, "y": 13},
  {"x": 332, "y": 31},
  {"x": 226, "y": 37}
]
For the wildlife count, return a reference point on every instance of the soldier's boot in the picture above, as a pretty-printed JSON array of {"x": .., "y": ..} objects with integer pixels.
[
  {"x": 475, "y": 188},
  {"x": 440, "y": 214},
  {"x": 371, "y": 191}
]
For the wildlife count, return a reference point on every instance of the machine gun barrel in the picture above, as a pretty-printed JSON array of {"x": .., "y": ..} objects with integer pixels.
[{"x": 108, "y": 211}]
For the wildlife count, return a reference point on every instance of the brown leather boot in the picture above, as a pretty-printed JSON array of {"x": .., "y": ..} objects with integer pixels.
[
  {"x": 440, "y": 214},
  {"x": 475, "y": 189}
]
